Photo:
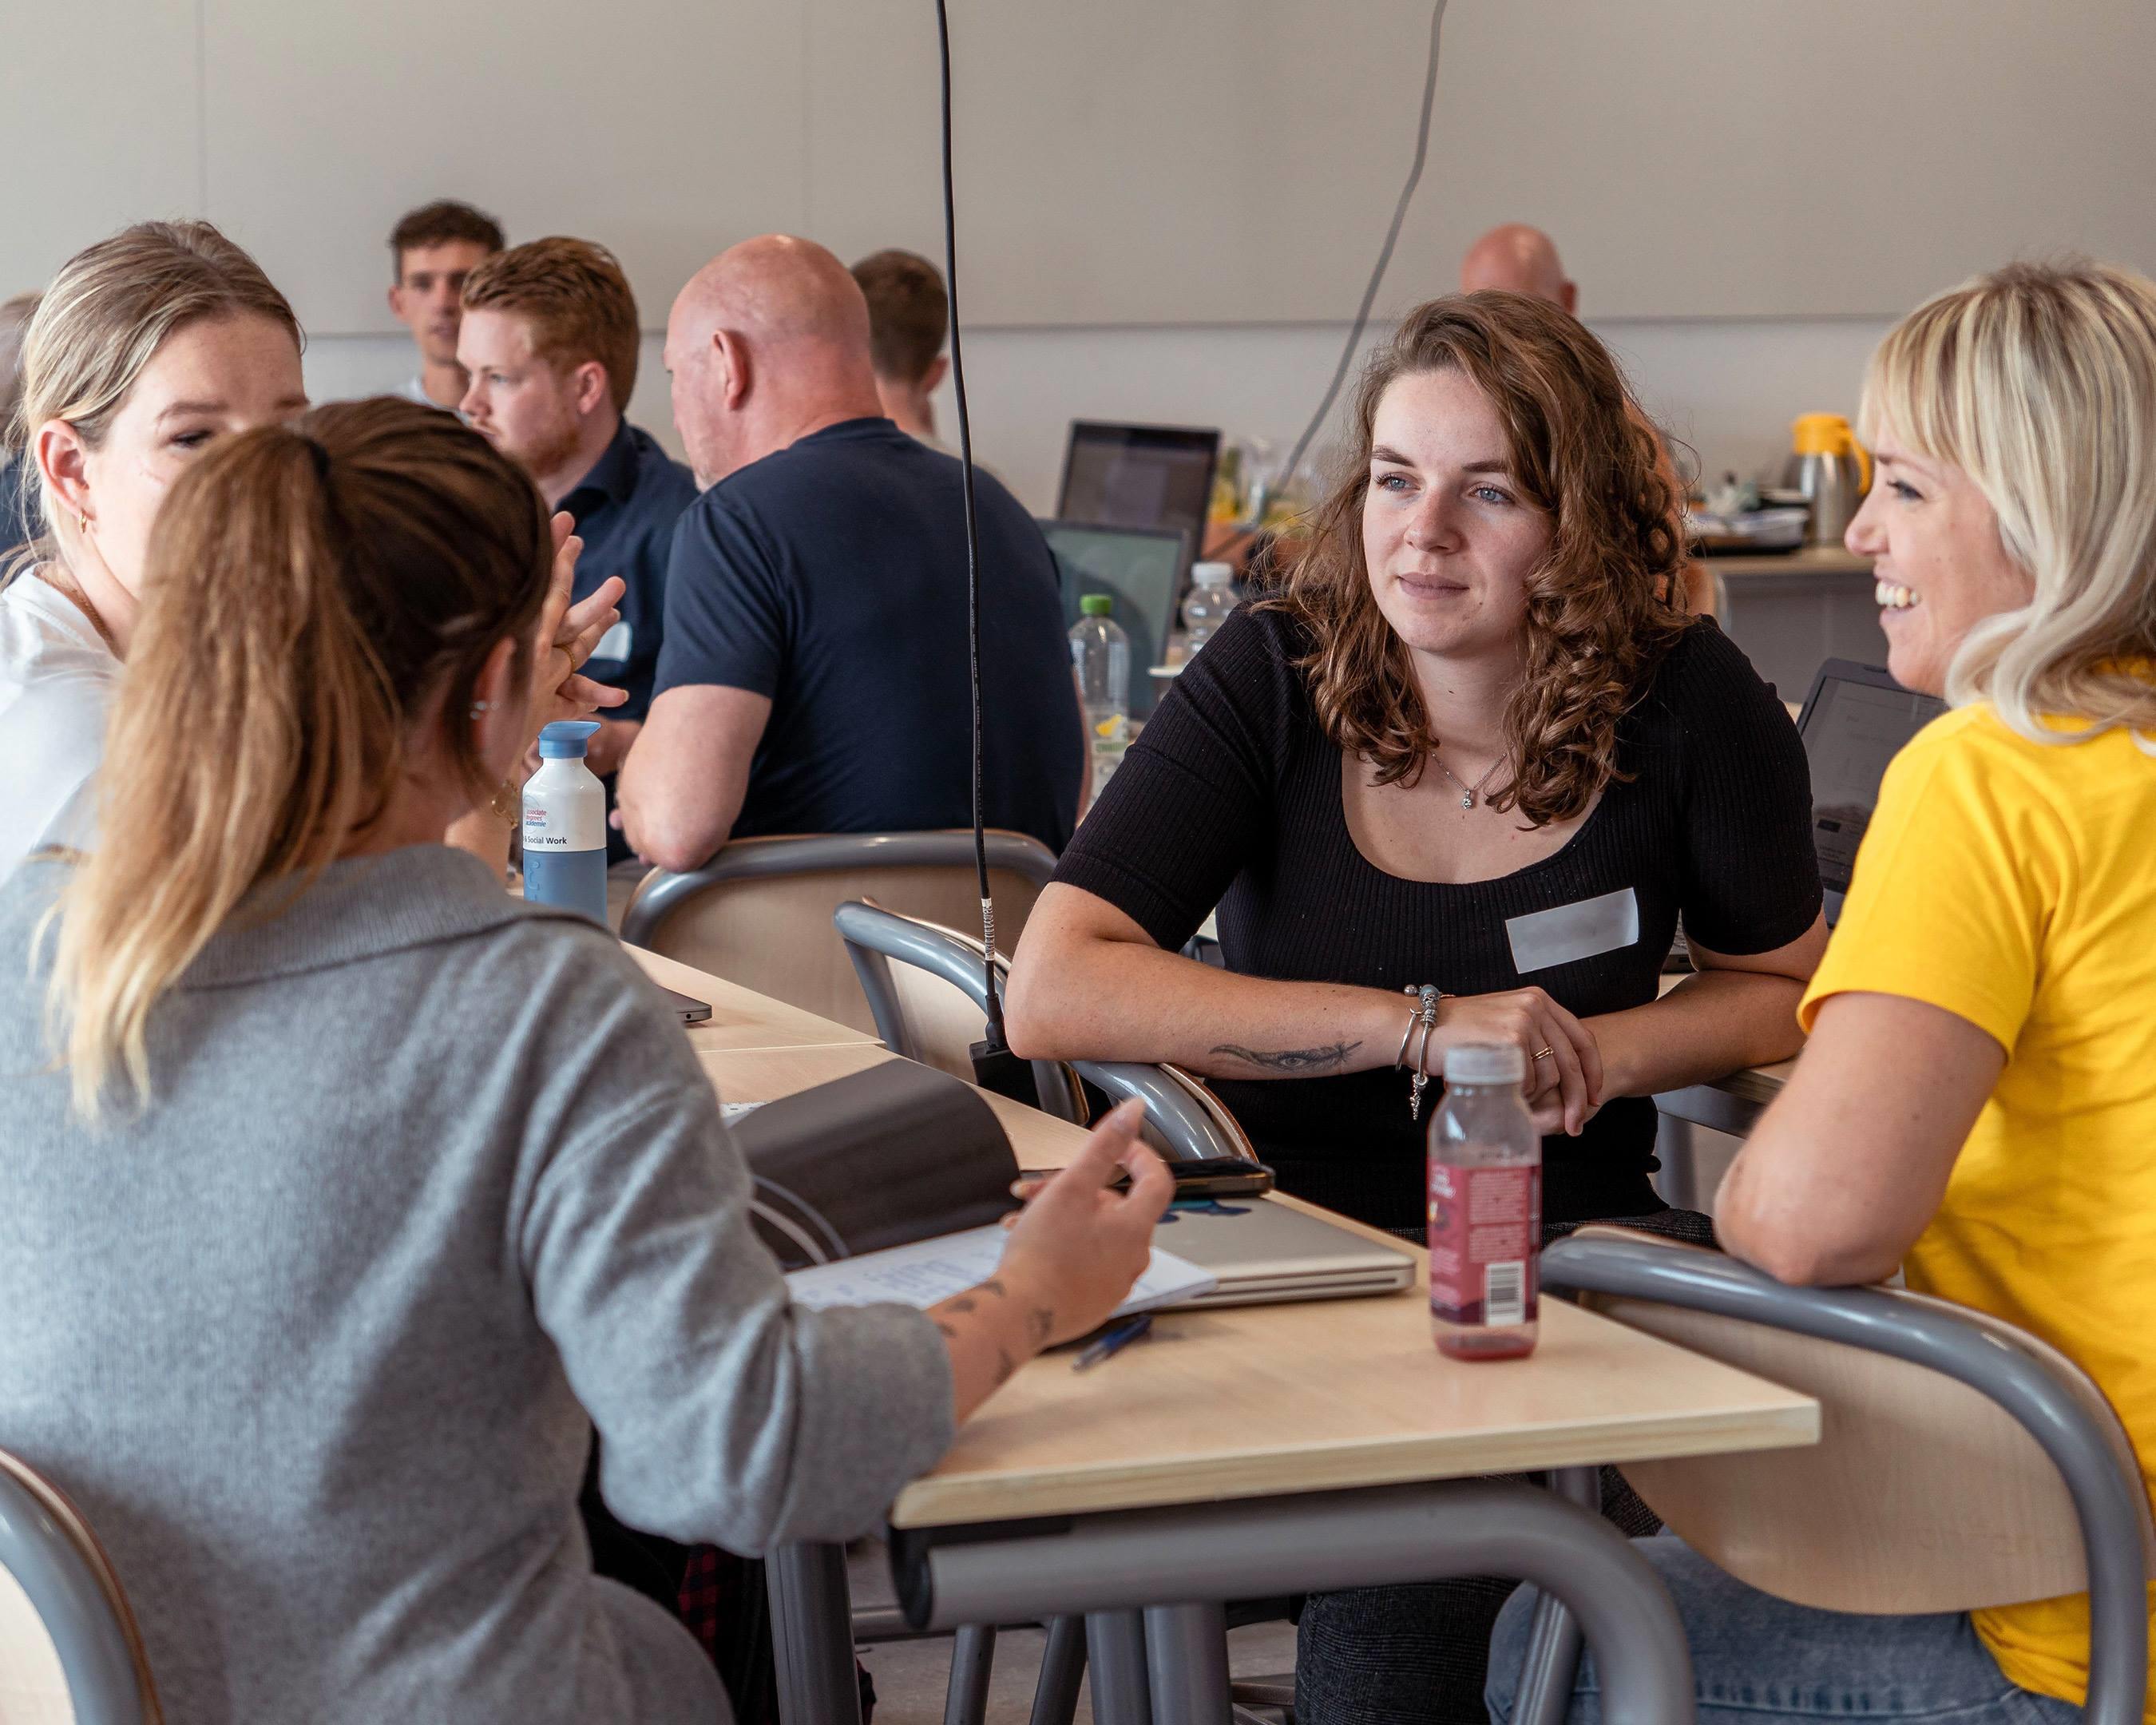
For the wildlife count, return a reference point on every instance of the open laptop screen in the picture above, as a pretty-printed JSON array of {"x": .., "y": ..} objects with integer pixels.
[
  {"x": 1855, "y": 722},
  {"x": 1159, "y": 476}
]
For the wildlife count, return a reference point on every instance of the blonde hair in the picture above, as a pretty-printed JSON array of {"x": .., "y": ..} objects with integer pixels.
[
  {"x": 104, "y": 318},
  {"x": 309, "y": 592},
  {"x": 2039, "y": 382}
]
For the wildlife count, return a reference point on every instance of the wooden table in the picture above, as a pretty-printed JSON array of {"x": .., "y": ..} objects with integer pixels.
[
  {"x": 1225, "y": 1418},
  {"x": 1337, "y": 1414},
  {"x": 741, "y": 1019}
]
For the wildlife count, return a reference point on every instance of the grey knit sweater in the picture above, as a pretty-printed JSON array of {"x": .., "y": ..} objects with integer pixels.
[{"x": 427, "y": 1176}]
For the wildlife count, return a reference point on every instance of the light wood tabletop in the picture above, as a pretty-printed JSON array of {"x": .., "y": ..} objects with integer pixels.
[
  {"x": 1262, "y": 1400},
  {"x": 1259, "y": 1401},
  {"x": 741, "y": 1019}
]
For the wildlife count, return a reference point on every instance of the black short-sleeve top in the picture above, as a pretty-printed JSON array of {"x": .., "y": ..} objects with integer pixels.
[{"x": 1231, "y": 797}]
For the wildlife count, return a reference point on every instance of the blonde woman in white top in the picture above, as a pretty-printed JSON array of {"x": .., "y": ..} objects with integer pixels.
[{"x": 148, "y": 348}]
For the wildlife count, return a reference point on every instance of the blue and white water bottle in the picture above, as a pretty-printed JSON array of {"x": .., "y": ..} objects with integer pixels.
[{"x": 565, "y": 834}]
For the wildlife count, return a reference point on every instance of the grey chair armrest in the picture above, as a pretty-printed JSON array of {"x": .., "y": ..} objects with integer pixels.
[{"x": 2056, "y": 1405}]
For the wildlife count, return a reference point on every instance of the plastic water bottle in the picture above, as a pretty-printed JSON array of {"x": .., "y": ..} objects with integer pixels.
[
  {"x": 1207, "y": 605},
  {"x": 1102, "y": 652},
  {"x": 1485, "y": 1207},
  {"x": 565, "y": 831}
]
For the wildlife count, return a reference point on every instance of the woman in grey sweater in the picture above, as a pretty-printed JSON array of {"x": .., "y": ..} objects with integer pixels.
[{"x": 341, "y": 1189}]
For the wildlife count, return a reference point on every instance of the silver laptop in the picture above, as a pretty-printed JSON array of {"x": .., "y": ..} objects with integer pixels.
[
  {"x": 1854, "y": 721},
  {"x": 1261, "y": 1251}
]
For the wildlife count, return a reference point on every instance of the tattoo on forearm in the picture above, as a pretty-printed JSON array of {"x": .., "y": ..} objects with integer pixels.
[
  {"x": 1330, "y": 1058},
  {"x": 1041, "y": 1325}
]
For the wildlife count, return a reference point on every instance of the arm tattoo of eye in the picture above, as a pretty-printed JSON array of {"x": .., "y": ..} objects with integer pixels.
[{"x": 1291, "y": 1061}]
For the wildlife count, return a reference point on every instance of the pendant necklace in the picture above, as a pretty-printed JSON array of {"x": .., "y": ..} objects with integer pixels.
[{"x": 1468, "y": 792}]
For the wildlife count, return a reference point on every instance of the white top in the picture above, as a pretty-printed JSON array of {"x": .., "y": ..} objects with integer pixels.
[{"x": 57, "y": 681}]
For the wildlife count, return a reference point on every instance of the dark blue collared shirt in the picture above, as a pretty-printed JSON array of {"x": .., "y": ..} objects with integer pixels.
[{"x": 625, "y": 509}]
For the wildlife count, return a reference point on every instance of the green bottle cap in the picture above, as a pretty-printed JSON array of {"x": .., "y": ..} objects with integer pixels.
[{"x": 1096, "y": 604}]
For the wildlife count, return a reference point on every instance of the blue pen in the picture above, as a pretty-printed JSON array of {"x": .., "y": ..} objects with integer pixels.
[{"x": 1121, "y": 1336}]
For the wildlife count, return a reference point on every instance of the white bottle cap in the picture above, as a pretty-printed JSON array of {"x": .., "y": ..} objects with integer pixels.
[
  {"x": 1212, "y": 574},
  {"x": 1485, "y": 1063}
]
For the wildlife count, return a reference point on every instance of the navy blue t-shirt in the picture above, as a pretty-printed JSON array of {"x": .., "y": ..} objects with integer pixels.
[
  {"x": 831, "y": 576},
  {"x": 625, "y": 509}
]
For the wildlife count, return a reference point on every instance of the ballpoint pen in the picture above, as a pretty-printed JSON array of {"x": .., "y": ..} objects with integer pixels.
[{"x": 1109, "y": 1340}]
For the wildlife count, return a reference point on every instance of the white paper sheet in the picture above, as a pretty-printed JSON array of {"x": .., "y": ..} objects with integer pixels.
[{"x": 931, "y": 1270}]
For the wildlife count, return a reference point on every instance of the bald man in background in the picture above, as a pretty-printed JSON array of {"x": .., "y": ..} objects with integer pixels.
[
  {"x": 814, "y": 678},
  {"x": 1521, "y": 259}
]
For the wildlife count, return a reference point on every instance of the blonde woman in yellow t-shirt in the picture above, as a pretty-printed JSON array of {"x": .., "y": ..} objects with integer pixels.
[{"x": 1977, "y": 1102}]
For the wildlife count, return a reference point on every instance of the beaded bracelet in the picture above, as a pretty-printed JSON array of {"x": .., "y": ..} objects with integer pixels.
[{"x": 1422, "y": 1014}]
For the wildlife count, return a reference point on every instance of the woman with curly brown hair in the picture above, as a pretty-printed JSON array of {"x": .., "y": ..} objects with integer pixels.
[{"x": 1472, "y": 745}]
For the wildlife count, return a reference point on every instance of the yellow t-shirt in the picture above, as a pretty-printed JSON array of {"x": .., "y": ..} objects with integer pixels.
[{"x": 2014, "y": 884}]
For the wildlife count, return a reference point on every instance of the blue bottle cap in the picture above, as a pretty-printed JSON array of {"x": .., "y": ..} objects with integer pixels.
[{"x": 564, "y": 740}]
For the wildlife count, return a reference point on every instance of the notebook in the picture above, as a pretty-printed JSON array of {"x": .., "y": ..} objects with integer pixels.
[{"x": 929, "y": 1271}]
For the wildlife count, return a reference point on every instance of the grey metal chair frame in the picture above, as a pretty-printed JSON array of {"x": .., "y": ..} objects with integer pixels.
[
  {"x": 100, "y": 1654},
  {"x": 2066, "y": 1415},
  {"x": 1195, "y": 1126},
  {"x": 771, "y": 859}
]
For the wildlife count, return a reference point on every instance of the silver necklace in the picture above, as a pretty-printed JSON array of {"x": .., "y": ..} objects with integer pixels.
[{"x": 1468, "y": 792}]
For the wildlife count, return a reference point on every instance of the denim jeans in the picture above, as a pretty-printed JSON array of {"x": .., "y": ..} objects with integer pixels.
[{"x": 1757, "y": 1659}]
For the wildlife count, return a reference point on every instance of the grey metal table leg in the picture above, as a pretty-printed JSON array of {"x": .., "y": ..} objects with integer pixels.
[
  {"x": 1062, "y": 1669},
  {"x": 1186, "y": 1660},
  {"x": 1107, "y": 1563},
  {"x": 812, "y": 1635},
  {"x": 1115, "y": 1650},
  {"x": 973, "y": 1655},
  {"x": 1554, "y": 1642}
]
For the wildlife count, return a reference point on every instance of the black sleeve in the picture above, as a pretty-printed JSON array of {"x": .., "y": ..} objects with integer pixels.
[
  {"x": 1194, "y": 798},
  {"x": 1751, "y": 879}
]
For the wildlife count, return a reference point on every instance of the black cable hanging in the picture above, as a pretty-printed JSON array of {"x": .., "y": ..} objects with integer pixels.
[{"x": 996, "y": 1043}]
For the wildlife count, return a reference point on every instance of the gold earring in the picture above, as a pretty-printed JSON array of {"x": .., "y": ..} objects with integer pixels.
[{"x": 82, "y": 523}]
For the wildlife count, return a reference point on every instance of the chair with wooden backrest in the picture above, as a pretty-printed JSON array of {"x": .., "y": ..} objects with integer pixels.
[
  {"x": 926, "y": 990},
  {"x": 1962, "y": 1462},
  {"x": 927, "y": 993},
  {"x": 69, "y": 1651},
  {"x": 759, "y": 913}
]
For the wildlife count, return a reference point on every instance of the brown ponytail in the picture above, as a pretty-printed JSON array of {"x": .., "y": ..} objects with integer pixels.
[{"x": 309, "y": 591}]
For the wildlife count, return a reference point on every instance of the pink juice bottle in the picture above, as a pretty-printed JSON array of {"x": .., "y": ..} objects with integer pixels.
[{"x": 1485, "y": 1207}]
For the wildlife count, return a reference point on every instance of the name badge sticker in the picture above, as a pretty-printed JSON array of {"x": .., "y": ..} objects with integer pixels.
[{"x": 1544, "y": 939}]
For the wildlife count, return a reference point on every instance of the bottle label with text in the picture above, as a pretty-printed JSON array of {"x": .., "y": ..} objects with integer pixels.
[{"x": 1483, "y": 1228}]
